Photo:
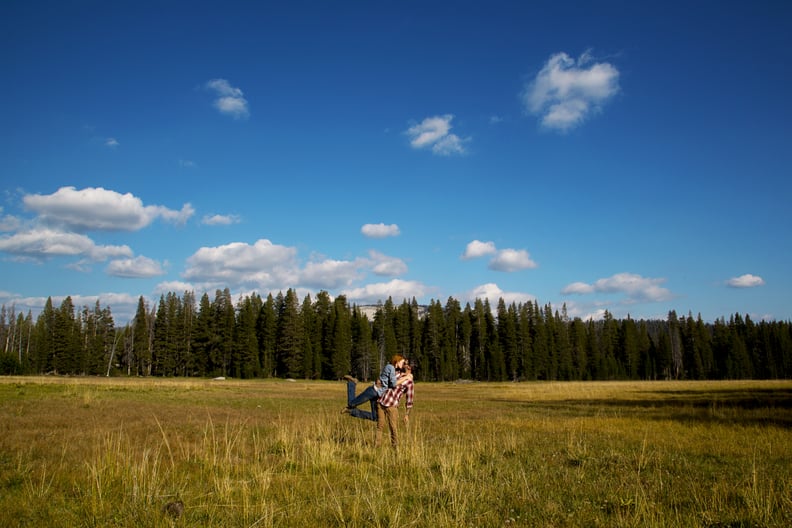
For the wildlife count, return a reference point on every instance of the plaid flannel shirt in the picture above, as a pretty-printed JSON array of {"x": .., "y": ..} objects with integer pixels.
[{"x": 392, "y": 396}]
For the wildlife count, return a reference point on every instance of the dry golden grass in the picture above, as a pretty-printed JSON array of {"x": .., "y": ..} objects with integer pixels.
[{"x": 153, "y": 452}]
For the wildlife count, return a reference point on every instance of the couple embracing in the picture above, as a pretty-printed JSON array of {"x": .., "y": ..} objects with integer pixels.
[{"x": 395, "y": 381}]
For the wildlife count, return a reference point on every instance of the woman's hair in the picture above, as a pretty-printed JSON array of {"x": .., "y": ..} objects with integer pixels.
[{"x": 395, "y": 359}]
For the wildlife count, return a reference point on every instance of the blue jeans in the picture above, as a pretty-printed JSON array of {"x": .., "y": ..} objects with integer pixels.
[{"x": 369, "y": 395}]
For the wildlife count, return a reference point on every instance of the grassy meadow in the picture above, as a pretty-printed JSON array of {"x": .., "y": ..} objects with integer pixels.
[{"x": 110, "y": 452}]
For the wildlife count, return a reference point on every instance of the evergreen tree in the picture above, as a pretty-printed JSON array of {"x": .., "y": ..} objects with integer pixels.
[
  {"x": 246, "y": 342},
  {"x": 141, "y": 344},
  {"x": 433, "y": 343},
  {"x": 341, "y": 351},
  {"x": 289, "y": 336},
  {"x": 200, "y": 363},
  {"x": 321, "y": 337},
  {"x": 266, "y": 334},
  {"x": 579, "y": 343},
  {"x": 507, "y": 337},
  {"x": 312, "y": 359},
  {"x": 363, "y": 350},
  {"x": 454, "y": 341},
  {"x": 221, "y": 342}
]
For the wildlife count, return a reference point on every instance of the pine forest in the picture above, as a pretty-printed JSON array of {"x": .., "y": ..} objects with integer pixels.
[{"x": 327, "y": 338}]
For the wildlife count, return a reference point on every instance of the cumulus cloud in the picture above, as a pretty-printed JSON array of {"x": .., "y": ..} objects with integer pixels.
[
  {"x": 100, "y": 209},
  {"x": 135, "y": 268},
  {"x": 217, "y": 219},
  {"x": 396, "y": 289},
  {"x": 230, "y": 100},
  {"x": 567, "y": 91},
  {"x": 330, "y": 274},
  {"x": 435, "y": 133},
  {"x": 511, "y": 260},
  {"x": 493, "y": 293},
  {"x": 264, "y": 265},
  {"x": 507, "y": 260},
  {"x": 477, "y": 248},
  {"x": 380, "y": 230},
  {"x": 44, "y": 242},
  {"x": 745, "y": 281},
  {"x": 173, "y": 286},
  {"x": 635, "y": 287},
  {"x": 387, "y": 266},
  {"x": 111, "y": 142}
]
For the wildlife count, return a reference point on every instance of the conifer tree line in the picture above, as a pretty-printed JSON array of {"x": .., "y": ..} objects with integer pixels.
[{"x": 326, "y": 338}]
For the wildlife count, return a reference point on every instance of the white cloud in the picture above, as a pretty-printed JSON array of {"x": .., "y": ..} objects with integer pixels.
[
  {"x": 264, "y": 265},
  {"x": 578, "y": 288},
  {"x": 477, "y": 248},
  {"x": 230, "y": 100},
  {"x": 100, "y": 209},
  {"x": 745, "y": 281},
  {"x": 173, "y": 286},
  {"x": 493, "y": 293},
  {"x": 635, "y": 287},
  {"x": 111, "y": 142},
  {"x": 435, "y": 132},
  {"x": 508, "y": 260},
  {"x": 511, "y": 260},
  {"x": 330, "y": 274},
  {"x": 138, "y": 267},
  {"x": 384, "y": 265},
  {"x": 397, "y": 289},
  {"x": 566, "y": 91},
  {"x": 380, "y": 230},
  {"x": 9, "y": 223},
  {"x": 43, "y": 242},
  {"x": 217, "y": 219}
]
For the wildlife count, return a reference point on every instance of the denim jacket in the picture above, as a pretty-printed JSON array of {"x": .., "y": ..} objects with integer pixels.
[{"x": 386, "y": 380}]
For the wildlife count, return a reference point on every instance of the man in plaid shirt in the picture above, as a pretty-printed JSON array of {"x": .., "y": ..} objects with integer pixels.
[{"x": 388, "y": 407}]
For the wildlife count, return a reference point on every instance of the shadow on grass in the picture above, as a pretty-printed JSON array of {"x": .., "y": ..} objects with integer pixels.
[{"x": 733, "y": 406}]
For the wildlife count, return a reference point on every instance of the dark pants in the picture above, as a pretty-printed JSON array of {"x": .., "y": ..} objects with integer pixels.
[{"x": 369, "y": 395}]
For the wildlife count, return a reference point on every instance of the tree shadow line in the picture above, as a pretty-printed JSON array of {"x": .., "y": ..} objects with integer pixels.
[{"x": 733, "y": 406}]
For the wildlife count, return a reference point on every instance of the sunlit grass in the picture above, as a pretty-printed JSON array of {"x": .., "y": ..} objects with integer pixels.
[{"x": 117, "y": 452}]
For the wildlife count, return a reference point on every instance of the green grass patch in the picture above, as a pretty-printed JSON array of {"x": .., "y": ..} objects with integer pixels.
[{"x": 130, "y": 452}]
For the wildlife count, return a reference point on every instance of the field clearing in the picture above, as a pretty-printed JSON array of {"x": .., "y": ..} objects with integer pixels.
[{"x": 115, "y": 452}]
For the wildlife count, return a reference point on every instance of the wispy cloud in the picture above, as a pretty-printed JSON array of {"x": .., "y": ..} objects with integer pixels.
[
  {"x": 9, "y": 222},
  {"x": 435, "y": 133},
  {"x": 566, "y": 91},
  {"x": 217, "y": 219},
  {"x": 508, "y": 260},
  {"x": 380, "y": 230},
  {"x": 111, "y": 143},
  {"x": 230, "y": 100},
  {"x": 745, "y": 281},
  {"x": 635, "y": 287}
]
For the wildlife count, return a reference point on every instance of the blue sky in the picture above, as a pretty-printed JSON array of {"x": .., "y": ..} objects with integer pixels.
[{"x": 624, "y": 156}]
